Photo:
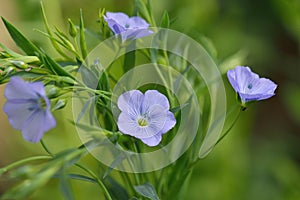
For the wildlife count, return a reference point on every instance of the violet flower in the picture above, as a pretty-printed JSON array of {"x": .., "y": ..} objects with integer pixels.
[
  {"x": 28, "y": 108},
  {"x": 128, "y": 27},
  {"x": 145, "y": 116},
  {"x": 249, "y": 85}
]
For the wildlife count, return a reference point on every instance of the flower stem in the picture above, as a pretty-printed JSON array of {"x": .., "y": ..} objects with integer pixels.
[
  {"x": 100, "y": 183},
  {"x": 46, "y": 148},
  {"x": 231, "y": 126},
  {"x": 21, "y": 162}
]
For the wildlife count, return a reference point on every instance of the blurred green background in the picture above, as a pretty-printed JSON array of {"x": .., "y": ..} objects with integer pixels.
[{"x": 260, "y": 158}]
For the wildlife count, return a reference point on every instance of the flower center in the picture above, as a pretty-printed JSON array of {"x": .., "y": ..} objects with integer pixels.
[
  {"x": 142, "y": 121},
  {"x": 36, "y": 104},
  {"x": 42, "y": 103},
  {"x": 126, "y": 25},
  {"x": 250, "y": 86}
]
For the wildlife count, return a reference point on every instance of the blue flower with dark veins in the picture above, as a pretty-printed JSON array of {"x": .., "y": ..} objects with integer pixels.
[
  {"x": 28, "y": 108},
  {"x": 145, "y": 116},
  {"x": 128, "y": 27},
  {"x": 249, "y": 85}
]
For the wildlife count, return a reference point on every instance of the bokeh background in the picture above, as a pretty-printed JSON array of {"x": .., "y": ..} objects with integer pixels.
[{"x": 260, "y": 158}]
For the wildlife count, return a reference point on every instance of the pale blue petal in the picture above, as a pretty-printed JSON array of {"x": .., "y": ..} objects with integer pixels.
[
  {"x": 128, "y": 125},
  {"x": 157, "y": 120},
  {"x": 153, "y": 97},
  {"x": 131, "y": 102},
  {"x": 119, "y": 17},
  {"x": 17, "y": 113},
  {"x": 37, "y": 124},
  {"x": 143, "y": 33},
  {"x": 137, "y": 23},
  {"x": 249, "y": 86},
  {"x": 115, "y": 27},
  {"x": 170, "y": 122},
  {"x": 152, "y": 141},
  {"x": 19, "y": 89}
]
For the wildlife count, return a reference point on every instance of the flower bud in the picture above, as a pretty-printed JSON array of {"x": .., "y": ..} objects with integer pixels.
[
  {"x": 51, "y": 91},
  {"x": 19, "y": 64},
  {"x": 72, "y": 29}
]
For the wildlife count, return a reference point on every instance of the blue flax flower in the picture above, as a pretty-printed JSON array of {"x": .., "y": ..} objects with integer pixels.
[
  {"x": 28, "y": 108},
  {"x": 145, "y": 116},
  {"x": 249, "y": 85},
  {"x": 128, "y": 27}
]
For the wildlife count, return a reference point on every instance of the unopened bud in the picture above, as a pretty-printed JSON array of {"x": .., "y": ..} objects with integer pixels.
[{"x": 72, "y": 29}]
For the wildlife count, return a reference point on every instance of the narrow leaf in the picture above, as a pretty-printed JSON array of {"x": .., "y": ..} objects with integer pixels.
[
  {"x": 115, "y": 163},
  {"x": 129, "y": 60},
  {"x": 25, "y": 44},
  {"x": 165, "y": 21},
  {"x": 147, "y": 190}
]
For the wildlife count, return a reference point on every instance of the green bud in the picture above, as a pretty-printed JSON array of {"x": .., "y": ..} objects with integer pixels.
[
  {"x": 72, "y": 29},
  {"x": 61, "y": 103},
  {"x": 66, "y": 79},
  {"x": 52, "y": 91},
  {"x": 4, "y": 54},
  {"x": 19, "y": 64}
]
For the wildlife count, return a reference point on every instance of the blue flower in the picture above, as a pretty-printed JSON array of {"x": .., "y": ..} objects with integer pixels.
[
  {"x": 249, "y": 85},
  {"x": 145, "y": 116},
  {"x": 28, "y": 108},
  {"x": 128, "y": 27}
]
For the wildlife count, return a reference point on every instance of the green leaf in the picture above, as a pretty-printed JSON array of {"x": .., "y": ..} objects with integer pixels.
[
  {"x": 147, "y": 190},
  {"x": 82, "y": 177},
  {"x": 54, "y": 67},
  {"x": 88, "y": 77},
  {"x": 143, "y": 10},
  {"x": 165, "y": 21},
  {"x": 103, "y": 82},
  {"x": 232, "y": 61},
  {"x": 116, "y": 190},
  {"x": 25, "y": 44},
  {"x": 65, "y": 186},
  {"x": 85, "y": 107},
  {"x": 129, "y": 61},
  {"x": 119, "y": 159},
  {"x": 10, "y": 52}
]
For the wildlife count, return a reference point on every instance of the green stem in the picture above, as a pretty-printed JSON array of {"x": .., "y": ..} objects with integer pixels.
[
  {"x": 46, "y": 148},
  {"x": 231, "y": 126},
  {"x": 100, "y": 183},
  {"x": 21, "y": 162}
]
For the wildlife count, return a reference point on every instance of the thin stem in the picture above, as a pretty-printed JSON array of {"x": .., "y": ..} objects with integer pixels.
[
  {"x": 46, "y": 148},
  {"x": 100, "y": 183},
  {"x": 231, "y": 126},
  {"x": 21, "y": 162}
]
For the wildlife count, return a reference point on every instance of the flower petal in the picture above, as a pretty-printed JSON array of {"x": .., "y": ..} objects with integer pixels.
[
  {"x": 127, "y": 124},
  {"x": 153, "y": 97},
  {"x": 37, "y": 124},
  {"x": 157, "y": 120},
  {"x": 130, "y": 102},
  {"x": 19, "y": 89},
  {"x": 115, "y": 27},
  {"x": 152, "y": 141},
  {"x": 17, "y": 113},
  {"x": 249, "y": 86},
  {"x": 137, "y": 23},
  {"x": 120, "y": 18},
  {"x": 170, "y": 122}
]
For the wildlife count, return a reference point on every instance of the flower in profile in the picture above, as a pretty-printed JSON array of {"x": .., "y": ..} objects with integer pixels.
[
  {"x": 249, "y": 85},
  {"x": 28, "y": 108},
  {"x": 128, "y": 27},
  {"x": 145, "y": 116}
]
